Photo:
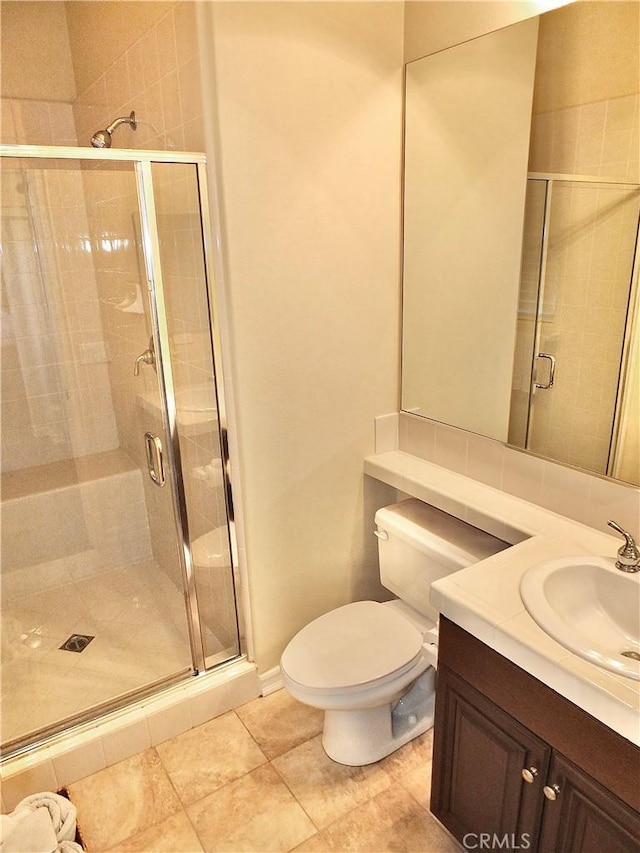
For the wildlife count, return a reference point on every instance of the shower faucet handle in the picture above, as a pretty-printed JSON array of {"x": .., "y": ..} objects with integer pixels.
[{"x": 146, "y": 357}]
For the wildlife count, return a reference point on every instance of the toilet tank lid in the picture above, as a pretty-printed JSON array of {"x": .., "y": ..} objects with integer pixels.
[{"x": 433, "y": 531}]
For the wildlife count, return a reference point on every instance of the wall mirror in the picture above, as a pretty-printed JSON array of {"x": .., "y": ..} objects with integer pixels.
[{"x": 521, "y": 211}]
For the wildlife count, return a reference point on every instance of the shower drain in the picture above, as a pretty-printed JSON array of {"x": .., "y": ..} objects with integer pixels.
[
  {"x": 76, "y": 643},
  {"x": 632, "y": 655}
]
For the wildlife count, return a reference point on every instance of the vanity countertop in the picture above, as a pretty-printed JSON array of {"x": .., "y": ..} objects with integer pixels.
[{"x": 484, "y": 598}]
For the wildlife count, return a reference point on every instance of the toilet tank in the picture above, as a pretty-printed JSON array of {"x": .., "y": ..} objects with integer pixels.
[{"x": 417, "y": 544}]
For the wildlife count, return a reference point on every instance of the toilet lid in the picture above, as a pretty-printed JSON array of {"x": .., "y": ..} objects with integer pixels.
[{"x": 352, "y": 645}]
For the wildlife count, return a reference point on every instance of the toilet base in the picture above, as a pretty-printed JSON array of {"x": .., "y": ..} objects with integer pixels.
[{"x": 364, "y": 736}]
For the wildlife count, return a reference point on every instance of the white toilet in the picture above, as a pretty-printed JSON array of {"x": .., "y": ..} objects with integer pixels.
[{"x": 370, "y": 666}]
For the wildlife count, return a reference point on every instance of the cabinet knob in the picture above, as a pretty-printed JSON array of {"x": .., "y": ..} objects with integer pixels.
[
  {"x": 551, "y": 791},
  {"x": 529, "y": 774}
]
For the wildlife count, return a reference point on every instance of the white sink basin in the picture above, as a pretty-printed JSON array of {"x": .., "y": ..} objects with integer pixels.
[{"x": 589, "y": 607}]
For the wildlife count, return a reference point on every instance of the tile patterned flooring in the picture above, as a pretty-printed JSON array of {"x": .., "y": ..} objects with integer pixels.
[{"x": 257, "y": 779}]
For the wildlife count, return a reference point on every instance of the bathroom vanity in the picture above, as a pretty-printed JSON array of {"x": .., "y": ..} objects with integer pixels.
[
  {"x": 512, "y": 757},
  {"x": 533, "y": 745}
]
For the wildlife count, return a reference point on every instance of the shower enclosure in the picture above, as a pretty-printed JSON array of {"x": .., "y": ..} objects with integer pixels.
[
  {"x": 118, "y": 538},
  {"x": 575, "y": 368}
]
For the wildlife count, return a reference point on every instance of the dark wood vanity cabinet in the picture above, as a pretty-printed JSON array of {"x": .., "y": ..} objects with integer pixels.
[{"x": 580, "y": 789}]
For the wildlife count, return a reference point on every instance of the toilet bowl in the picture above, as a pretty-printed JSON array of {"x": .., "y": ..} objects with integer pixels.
[
  {"x": 369, "y": 665},
  {"x": 353, "y": 663}
]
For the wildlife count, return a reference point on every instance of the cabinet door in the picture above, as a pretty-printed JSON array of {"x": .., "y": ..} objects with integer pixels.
[
  {"x": 479, "y": 755},
  {"x": 585, "y": 817}
]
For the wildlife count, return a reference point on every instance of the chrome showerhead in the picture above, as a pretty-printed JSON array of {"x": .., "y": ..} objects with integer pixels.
[{"x": 102, "y": 138}]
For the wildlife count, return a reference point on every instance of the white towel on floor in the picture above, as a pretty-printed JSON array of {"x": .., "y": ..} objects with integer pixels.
[
  {"x": 26, "y": 831},
  {"x": 41, "y": 823}
]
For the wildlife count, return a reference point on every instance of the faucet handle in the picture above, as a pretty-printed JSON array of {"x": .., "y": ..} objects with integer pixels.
[
  {"x": 146, "y": 357},
  {"x": 628, "y": 555}
]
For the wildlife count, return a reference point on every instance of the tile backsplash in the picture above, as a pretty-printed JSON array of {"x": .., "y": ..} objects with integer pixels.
[{"x": 587, "y": 498}]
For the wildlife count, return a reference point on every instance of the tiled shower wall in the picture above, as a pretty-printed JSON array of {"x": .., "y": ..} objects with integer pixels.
[
  {"x": 159, "y": 78},
  {"x": 588, "y": 139},
  {"x": 591, "y": 242},
  {"x": 592, "y": 233},
  {"x": 56, "y": 395}
]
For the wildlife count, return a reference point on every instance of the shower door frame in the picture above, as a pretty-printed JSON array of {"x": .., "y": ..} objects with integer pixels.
[
  {"x": 143, "y": 162},
  {"x": 550, "y": 179}
]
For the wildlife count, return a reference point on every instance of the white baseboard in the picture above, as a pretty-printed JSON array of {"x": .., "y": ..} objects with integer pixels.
[{"x": 271, "y": 680}]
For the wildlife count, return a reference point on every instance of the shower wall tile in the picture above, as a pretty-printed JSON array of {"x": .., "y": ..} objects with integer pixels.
[
  {"x": 7, "y": 123},
  {"x": 53, "y": 329},
  {"x": 158, "y": 77},
  {"x": 591, "y": 139},
  {"x": 588, "y": 274},
  {"x": 37, "y": 122},
  {"x": 81, "y": 530}
]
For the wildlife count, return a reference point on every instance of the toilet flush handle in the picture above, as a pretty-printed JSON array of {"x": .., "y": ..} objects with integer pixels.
[{"x": 381, "y": 534}]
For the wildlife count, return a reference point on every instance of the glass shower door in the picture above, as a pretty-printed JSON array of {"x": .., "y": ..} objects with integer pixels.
[
  {"x": 579, "y": 247},
  {"x": 96, "y": 551},
  {"x": 199, "y": 410}
]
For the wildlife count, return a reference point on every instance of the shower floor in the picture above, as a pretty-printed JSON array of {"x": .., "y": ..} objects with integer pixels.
[{"x": 137, "y": 618}]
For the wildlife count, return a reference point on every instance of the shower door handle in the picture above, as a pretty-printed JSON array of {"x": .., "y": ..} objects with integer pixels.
[
  {"x": 552, "y": 372},
  {"x": 155, "y": 462}
]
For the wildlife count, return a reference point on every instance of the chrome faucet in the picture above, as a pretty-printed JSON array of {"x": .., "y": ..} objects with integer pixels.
[{"x": 628, "y": 555}]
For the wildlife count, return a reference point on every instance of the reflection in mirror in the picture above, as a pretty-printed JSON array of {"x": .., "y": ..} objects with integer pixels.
[
  {"x": 573, "y": 390},
  {"x": 546, "y": 360}
]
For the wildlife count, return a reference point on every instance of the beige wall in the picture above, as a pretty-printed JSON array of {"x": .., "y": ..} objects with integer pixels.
[
  {"x": 588, "y": 52},
  {"x": 102, "y": 32},
  {"x": 36, "y": 62},
  {"x": 432, "y": 25},
  {"x": 309, "y": 131}
]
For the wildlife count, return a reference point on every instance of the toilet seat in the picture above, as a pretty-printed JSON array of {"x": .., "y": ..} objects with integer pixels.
[{"x": 359, "y": 644}]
